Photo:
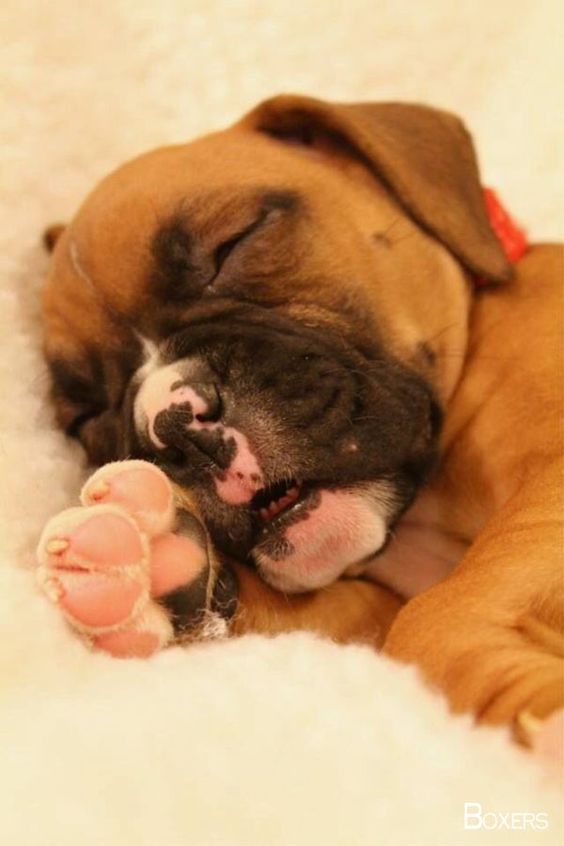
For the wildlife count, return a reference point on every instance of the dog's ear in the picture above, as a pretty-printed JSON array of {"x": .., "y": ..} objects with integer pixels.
[{"x": 424, "y": 156}]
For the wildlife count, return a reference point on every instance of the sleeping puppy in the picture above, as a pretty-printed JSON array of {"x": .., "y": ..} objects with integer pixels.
[{"x": 283, "y": 318}]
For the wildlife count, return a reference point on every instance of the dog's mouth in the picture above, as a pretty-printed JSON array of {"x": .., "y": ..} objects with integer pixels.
[
  {"x": 273, "y": 500},
  {"x": 281, "y": 503}
]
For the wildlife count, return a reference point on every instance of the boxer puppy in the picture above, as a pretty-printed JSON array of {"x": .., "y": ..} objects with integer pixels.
[{"x": 279, "y": 316}]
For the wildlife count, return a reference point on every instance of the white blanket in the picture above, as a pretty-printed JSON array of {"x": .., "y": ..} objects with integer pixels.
[{"x": 287, "y": 741}]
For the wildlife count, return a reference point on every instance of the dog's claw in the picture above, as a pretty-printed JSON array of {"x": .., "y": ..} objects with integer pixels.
[
  {"x": 528, "y": 726},
  {"x": 51, "y": 587},
  {"x": 98, "y": 491},
  {"x": 137, "y": 486},
  {"x": 56, "y": 546}
]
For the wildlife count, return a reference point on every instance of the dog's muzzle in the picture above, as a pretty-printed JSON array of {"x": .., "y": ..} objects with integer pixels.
[{"x": 302, "y": 453}]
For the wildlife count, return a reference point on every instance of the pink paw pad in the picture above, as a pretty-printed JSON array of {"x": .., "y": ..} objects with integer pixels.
[
  {"x": 95, "y": 564},
  {"x": 104, "y": 563},
  {"x": 137, "y": 486},
  {"x": 141, "y": 639},
  {"x": 175, "y": 561},
  {"x": 128, "y": 643}
]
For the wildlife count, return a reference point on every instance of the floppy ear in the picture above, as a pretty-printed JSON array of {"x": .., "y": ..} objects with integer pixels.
[{"x": 424, "y": 156}]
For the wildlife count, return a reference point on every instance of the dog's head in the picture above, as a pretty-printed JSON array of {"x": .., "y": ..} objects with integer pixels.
[{"x": 276, "y": 314}]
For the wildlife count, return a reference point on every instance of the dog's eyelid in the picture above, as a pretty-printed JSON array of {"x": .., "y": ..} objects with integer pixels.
[
  {"x": 224, "y": 250},
  {"x": 298, "y": 136},
  {"x": 273, "y": 206}
]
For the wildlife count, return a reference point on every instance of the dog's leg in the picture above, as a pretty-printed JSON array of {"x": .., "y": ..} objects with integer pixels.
[
  {"x": 347, "y": 611},
  {"x": 491, "y": 635}
]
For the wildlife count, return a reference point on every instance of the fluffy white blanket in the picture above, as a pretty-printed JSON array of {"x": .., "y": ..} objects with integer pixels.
[{"x": 288, "y": 741}]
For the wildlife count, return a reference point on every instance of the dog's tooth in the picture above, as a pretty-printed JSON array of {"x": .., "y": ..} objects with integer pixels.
[
  {"x": 290, "y": 497},
  {"x": 276, "y": 506},
  {"x": 56, "y": 546}
]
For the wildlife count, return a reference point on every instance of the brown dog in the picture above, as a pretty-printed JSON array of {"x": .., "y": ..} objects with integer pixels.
[{"x": 280, "y": 315}]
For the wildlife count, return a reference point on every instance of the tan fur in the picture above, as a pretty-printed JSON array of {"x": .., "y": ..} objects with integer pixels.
[
  {"x": 491, "y": 634},
  {"x": 347, "y": 611}
]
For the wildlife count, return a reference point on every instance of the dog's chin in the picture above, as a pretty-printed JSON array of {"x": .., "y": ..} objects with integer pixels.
[{"x": 333, "y": 531}]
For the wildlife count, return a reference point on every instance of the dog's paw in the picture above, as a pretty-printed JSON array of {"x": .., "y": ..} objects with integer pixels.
[
  {"x": 546, "y": 739},
  {"x": 549, "y": 745},
  {"x": 112, "y": 565}
]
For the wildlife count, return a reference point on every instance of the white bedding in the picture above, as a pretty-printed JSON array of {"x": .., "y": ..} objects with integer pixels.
[{"x": 288, "y": 741}]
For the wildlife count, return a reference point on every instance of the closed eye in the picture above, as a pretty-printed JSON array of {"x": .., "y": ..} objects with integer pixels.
[
  {"x": 224, "y": 250},
  {"x": 222, "y": 253},
  {"x": 184, "y": 267}
]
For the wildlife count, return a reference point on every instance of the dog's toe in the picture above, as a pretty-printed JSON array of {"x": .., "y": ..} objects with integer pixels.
[
  {"x": 548, "y": 744},
  {"x": 175, "y": 561},
  {"x": 95, "y": 564},
  {"x": 139, "y": 487},
  {"x": 144, "y": 636}
]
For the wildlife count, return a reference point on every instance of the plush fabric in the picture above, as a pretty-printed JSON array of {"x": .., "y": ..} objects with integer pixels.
[{"x": 288, "y": 741}]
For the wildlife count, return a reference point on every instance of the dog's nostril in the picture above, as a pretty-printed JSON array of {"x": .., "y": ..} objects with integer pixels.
[{"x": 210, "y": 393}]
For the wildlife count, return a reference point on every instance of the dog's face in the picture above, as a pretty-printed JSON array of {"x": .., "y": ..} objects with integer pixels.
[{"x": 276, "y": 314}]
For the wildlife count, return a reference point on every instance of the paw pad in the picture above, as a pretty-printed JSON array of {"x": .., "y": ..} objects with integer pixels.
[{"x": 106, "y": 564}]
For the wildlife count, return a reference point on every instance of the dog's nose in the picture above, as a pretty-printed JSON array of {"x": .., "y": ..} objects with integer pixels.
[
  {"x": 186, "y": 391},
  {"x": 179, "y": 407}
]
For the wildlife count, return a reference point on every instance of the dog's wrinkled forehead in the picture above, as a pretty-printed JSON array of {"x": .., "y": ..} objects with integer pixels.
[
  {"x": 349, "y": 170},
  {"x": 222, "y": 217},
  {"x": 301, "y": 200}
]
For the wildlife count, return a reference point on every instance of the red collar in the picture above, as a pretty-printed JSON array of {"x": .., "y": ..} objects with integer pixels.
[{"x": 511, "y": 237}]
